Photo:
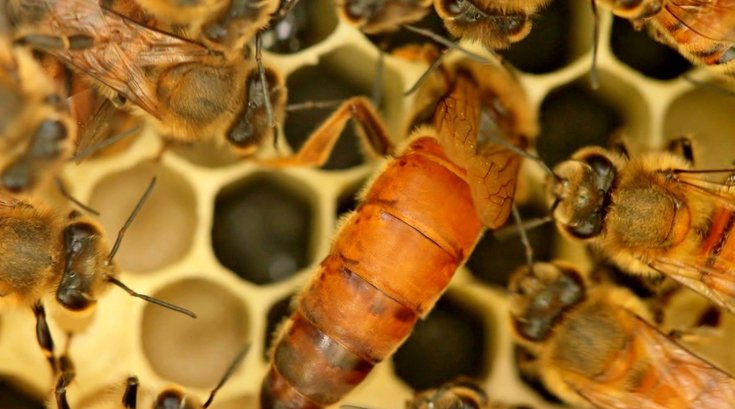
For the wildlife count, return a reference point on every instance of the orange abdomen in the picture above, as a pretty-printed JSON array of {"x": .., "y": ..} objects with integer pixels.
[{"x": 388, "y": 265}]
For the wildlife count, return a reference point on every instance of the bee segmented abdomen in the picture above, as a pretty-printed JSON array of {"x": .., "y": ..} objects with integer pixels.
[{"x": 388, "y": 266}]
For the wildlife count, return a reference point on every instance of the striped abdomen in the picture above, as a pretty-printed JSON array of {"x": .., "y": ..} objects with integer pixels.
[
  {"x": 696, "y": 47},
  {"x": 388, "y": 265},
  {"x": 717, "y": 247}
]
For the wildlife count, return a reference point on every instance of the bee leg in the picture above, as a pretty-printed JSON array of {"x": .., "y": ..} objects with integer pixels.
[
  {"x": 682, "y": 146},
  {"x": 319, "y": 146},
  {"x": 68, "y": 373},
  {"x": 43, "y": 334},
  {"x": 130, "y": 396}
]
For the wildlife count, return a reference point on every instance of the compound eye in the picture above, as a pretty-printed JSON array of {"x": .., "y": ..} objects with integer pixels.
[{"x": 169, "y": 399}]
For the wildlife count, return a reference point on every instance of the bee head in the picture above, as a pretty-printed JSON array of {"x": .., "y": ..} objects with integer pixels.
[
  {"x": 540, "y": 295},
  {"x": 85, "y": 267},
  {"x": 579, "y": 192},
  {"x": 495, "y": 28}
]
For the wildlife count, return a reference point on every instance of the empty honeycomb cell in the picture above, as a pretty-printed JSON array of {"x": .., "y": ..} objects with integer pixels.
[
  {"x": 637, "y": 49},
  {"x": 195, "y": 352},
  {"x": 13, "y": 395},
  {"x": 163, "y": 231},
  {"x": 401, "y": 37},
  {"x": 706, "y": 116},
  {"x": 574, "y": 116},
  {"x": 335, "y": 78},
  {"x": 308, "y": 23},
  {"x": 262, "y": 229},
  {"x": 494, "y": 259},
  {"x": 450, "y": 342},
  {"x": 276, "y": 315},
  {"x": 546, "y": 48}
]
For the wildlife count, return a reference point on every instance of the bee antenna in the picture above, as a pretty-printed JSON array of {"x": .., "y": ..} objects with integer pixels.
[
  {"x": 524, "y": 236},
  {"x": 69, "y": 197},
  {"x": 594, "y": 78},
  {"x": 434, "y": 65},
  {"x": 326, "y": 104},
  {"x": 454, "y": 45},
  {"x": 504, "y": 233},
  {"x": 501, "y": 141},
  {"x": 264, "y": 88},
  {"x": 121, "y": 233},
  {"x": 84, "y": 153},
  {"x": 230, "y": 370},
  {"x": 152, "y": 300}
]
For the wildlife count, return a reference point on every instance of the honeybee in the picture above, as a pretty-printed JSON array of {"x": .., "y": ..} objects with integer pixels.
[
  {"x": 394, "y": 256},
  {"x": 652, "y": 215},
  {"x": 36, "y": 131},
  {"x": 460, "y": 394},
  {"x": 701, "y": 31},
  {"x": 43, "y": 251},
  {"x": 130, "y": 395},
  {"x": 192, "y": 92},
  {"x": 495, "y": 25},
  {"x": 595, "y": 346}
]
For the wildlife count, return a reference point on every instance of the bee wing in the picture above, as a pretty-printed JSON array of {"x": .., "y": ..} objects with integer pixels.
[
  {"x": 715, "y": 283},
  {"x": 714, "y": 19},
  {"x": 120, "y": 49},
  {"x": 469, "y": 138},
  {"x": 674, "y": 378}
]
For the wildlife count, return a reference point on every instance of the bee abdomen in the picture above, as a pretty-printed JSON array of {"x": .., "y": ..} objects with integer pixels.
[{"x": 388, "y": 266}]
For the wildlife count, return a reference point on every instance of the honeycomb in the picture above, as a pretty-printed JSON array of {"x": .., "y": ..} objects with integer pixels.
[{"x": 234, "y": 241}]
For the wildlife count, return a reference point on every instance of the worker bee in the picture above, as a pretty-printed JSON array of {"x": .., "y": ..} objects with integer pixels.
[
  {"x": 43, "y": 251},
  {"x": 463, "y": 393},
  {"x": 703, "y": 32},
  {"x": 650, "y": 214},
  {"x": 36, "y": 131},
  {"x": 595, "y": 346},
  {"x": 130, "y": 395},
  {"x": 394, "y": 256},
  {"x": 192, "y": 92}
]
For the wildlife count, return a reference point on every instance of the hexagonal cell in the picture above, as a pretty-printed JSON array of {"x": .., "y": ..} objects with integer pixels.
[
  {"x": 163, "y": 231},
  {"x": 395, "y": 39},
  {"x": 555, "y": 39},
  {"x": 573, "y": 116},
  {"x": 704, "y": 115},
  {"x": 208, "y": 153},
  {"x": 15, "y": 395},
  {"x": 349, "y": 72},
  {"x": 450, "y": 342},
  {"x": 637, "y": 49},
  {"x": 195, "y": 352},
  {"x": 308, "y": 23},
  {"x": 277, "y": 314},
  {"x": 262, "y": 229},
  {"x": 494, "y": 259}
]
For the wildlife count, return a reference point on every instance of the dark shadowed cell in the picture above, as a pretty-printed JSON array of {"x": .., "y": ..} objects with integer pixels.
[
  {"x": 546, "y": 48},
  {"x": 261, "y": 230},
  {"x": 15, "y": 397},
  {"x": 325, "y": 81},
  {"x": 641, "y": 52},
  {"x": 572, "y": 117},
  {"x": 308, "y": 23},
  {"x": 450, "y": 342},
  {"x": 493, "y": 260},
  {"x": 394, "y": 39},
  {"x": 277, "y": 315}
]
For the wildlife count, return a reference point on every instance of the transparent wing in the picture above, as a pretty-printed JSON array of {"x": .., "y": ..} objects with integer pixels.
[{"x": 714, "y": 19}]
